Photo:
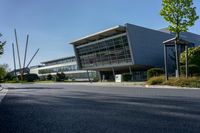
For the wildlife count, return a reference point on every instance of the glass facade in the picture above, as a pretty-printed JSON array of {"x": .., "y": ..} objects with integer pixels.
[
  {"x": 61, "y": 61},
  {"x": 58, "y": 69},
  {"x": 114, "y": 51}
]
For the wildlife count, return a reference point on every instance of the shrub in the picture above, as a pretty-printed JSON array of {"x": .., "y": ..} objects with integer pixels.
[
  {"x": 156, "y": 80},
  {"x": 126, "y": 77},
  {"x": 43, "y": 78},
  {"x": 9, "y": 77},
  {"x": 31, "y": 77},
  {"x": 95, "y": 79},
  {"x": 153, "y": 72},
  {"x": 193, "y": 70},
  {"x": 49, "y": 77},
  {"x": 190, "y": 82},
  {"x": 60, "y": 76},
  {"x": 182, "y": 81}
]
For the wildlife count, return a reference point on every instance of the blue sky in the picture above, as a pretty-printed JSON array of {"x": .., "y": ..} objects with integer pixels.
[{"x": 52, "y": 24}]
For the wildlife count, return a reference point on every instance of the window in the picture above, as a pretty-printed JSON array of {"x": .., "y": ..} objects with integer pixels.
[{"x": 113, "y": 51}]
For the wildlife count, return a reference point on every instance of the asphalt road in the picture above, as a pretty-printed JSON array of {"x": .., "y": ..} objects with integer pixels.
[{"x": 59, "y": 108}]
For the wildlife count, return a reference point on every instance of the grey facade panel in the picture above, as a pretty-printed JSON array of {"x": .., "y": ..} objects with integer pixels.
[
  {"x": 147, "y": 45},
  {"x": 191, "y": 37}
]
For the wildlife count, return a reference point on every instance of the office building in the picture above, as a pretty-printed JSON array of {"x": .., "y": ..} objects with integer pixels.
[
  {"x": 66, "y": 65},
  {"x": 124, "y": 49}
]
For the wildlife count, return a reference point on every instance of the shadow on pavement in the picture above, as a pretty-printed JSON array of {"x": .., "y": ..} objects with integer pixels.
[
  {"x": 34, "y": 88},
  {"x": 85, "y": 112}
]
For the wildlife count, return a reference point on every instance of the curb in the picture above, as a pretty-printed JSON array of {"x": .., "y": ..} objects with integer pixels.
[
  {"x": 170, "y": 87},
  {"x": 127, "y": 85}
]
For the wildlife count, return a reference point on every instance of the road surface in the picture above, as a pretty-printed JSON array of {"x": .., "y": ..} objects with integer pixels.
[{"x": 77, "y": 108}]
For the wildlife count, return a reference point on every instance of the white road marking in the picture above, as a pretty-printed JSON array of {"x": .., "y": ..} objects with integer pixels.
[{"x": 3, "y": 94}]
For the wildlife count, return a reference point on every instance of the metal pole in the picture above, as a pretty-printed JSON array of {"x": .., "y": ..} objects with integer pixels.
[
  {"x": 17, "y": 48},
  {"x": 32, "y": 58},
  {"x": 21, "y": 72},
  {"x": 14, "y": 59},
  {"x": 25, "y": 51},
  {"x": 88, "y": 76},
  {"x": 130, "y": 71},
  {"x": 186, "y": 61},
  {"x": 99, "y": 73},
  {"x": 177, "y": 59},
  {"x": 165, "y": 61}
]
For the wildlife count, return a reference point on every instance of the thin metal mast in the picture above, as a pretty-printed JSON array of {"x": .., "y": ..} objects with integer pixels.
[
  {"x": 14, "y": 58},
  {"x": 32, "y": 58},
  {"x": 17, "y": 48},
  {"x": 25, "y": 51}
]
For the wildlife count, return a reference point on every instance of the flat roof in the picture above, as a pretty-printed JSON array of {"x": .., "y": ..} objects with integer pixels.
[
  {"x": 59, "y": 59},
  {"x": 100, "y": 35}
]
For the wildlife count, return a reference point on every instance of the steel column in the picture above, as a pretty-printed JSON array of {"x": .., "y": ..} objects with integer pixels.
[
  {"x": 14, "y": 59},
  {"x": 25, "y": 51},
  {"x": 113, "y": 70},
  {"x": 165, "y": 61},
  {"x": 88, "y": 76},
  {"x": 186, "y": 61}
]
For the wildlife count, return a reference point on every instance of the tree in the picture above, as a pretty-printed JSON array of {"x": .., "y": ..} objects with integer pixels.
[
  {"x": 6, "y": 67},
  {"x": 180, "y": 14},
  {"x": 193, "y": 56},
  {"x": 2, "y": 73},
  {"x": 2, "y": 45}
]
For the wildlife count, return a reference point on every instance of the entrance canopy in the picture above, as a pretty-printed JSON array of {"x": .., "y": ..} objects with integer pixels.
[{"x": 171, "y": 42}]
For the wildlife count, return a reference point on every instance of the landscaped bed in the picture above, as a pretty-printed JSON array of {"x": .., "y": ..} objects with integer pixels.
[{"x": 182, "y": 81}]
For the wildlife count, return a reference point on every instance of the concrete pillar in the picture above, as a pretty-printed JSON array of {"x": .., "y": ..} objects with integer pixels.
[
  {"x": 113, "y": 70},
  {"x": 88, "y": 76},
  {"x": 130, "y": 71}
]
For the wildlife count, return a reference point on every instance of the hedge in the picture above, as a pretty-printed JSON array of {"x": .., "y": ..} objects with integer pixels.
[
  {"x": 31, "y": 77},
  {"x": 154, "y": 72},
  {"x": 60, "y": 76},
  {"x": 193, "y": 70},
  {"x": 49, "y": 77},
  {"x": 127, "y": 77}
]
